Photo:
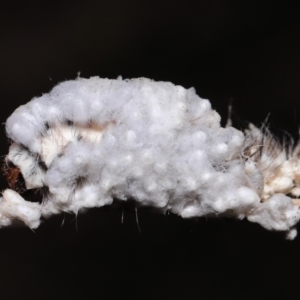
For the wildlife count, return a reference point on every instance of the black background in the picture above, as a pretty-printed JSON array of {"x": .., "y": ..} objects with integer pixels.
[{"x": 248, "y": 51}]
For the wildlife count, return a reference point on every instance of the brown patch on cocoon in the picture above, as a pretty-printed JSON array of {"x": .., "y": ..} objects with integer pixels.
[{"x": 14, "y": 177}]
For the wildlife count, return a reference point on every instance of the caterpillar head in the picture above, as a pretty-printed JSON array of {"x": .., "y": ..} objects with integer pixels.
[{"x": 23, "y": 170}]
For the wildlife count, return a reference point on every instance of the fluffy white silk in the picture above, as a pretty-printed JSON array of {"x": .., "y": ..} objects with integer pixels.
[{"x": 92, "y": 140}]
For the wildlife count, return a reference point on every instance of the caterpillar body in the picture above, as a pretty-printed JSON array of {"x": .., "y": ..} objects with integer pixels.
[{"x": 90, "y": 141}]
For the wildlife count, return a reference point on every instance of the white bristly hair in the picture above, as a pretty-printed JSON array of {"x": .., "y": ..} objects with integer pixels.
[{"x": 90, "y": 141}]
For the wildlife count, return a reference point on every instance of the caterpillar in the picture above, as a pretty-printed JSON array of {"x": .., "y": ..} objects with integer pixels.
[{"x": 90, "y": 141}]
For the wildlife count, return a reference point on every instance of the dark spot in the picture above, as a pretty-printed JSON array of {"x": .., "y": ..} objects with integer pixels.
[
  {"x": 46, "y": 125},
  {"x": 45, "y": 192},
  {"x": 14, "y": 176},
  {"x": 292, "y": 196},
  {"x": 60, "y": 154},
  {"x": 79, "y": 182},
  {"x": 42, "y": 165},
  {"x": 25, "y": 148},
  {"x": 39, "y": 195},
  {"x": 69, "y": 122}
]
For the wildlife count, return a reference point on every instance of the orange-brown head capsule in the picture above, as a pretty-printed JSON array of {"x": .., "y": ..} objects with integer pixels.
[{"x": 14, "y": 177}]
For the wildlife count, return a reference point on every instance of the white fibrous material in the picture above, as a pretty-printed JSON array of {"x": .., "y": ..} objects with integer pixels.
[{"x": 90, "y": 141}]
